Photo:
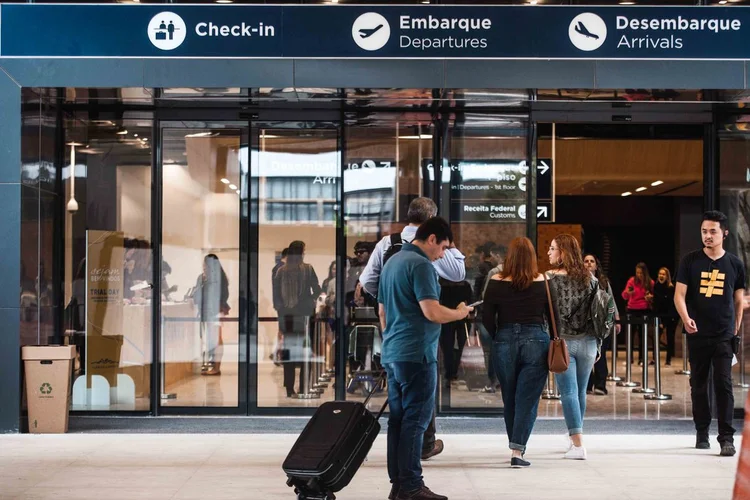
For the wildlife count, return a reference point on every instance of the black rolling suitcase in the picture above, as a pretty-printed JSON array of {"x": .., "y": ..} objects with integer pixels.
[{"x": 331, "y": 448}]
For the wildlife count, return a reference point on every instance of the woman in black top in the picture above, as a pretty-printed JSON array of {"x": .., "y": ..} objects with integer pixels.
[
  {"x": 515, "y": 313},
  {"x": 663, "y": 305}
]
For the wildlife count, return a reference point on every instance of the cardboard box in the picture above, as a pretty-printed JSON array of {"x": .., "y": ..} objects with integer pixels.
[{"x": 48, "y": 388}]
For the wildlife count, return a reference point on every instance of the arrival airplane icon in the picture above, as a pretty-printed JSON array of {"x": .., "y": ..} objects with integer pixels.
[
  {"x": 581, "y": 29},
  {"x": 367, "y": 33}
]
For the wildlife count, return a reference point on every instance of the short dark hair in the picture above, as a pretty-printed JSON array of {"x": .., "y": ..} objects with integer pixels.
[
  {"x": 437, "y": 226},
  {"x": 284, "y": 252},
  {"x": 499, "y": 249},
  {"x": 716, "y": 216}
]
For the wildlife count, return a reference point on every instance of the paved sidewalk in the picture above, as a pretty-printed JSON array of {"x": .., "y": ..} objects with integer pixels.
[{"x": 228, "y": 467}]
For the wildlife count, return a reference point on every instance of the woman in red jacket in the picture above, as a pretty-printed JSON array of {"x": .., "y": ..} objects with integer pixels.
[{"x": 639, "y": 291}]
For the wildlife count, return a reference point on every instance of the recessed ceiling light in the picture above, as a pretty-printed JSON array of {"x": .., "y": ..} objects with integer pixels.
[
  {"x": 626, "y": 193},
  {"x": 627, "y": 3},
  {"x": 200, "y": 134},
  {"x": 640, "y": 189},
  {"x": 238, "y": 191},
  {"x": 425, "y": 1},
  {"x": 334, "y": 1},
  {"x": 232, "y": 186},
  {"x": 224, "y": 1},
  {"x": 225, "y": 181},
  {"x": 657, "y": 183},
  {"x": 722, "y": 2},
  {"x": 532, "y": 2},
  {"x": 122, "y": 132},
  {"x": 135, "y": 135},
  {"x": 420, "y": 136}
]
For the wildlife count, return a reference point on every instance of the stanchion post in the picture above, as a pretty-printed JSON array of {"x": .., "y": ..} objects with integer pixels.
[
  {"x": 741, "y": 360},
  {"x": 612, "y": 377},
  {"x": 657, "y": 367},
  {"x": 644, "y": 388},
  {"x": 309, "y": 392},
  {"x": 628, "y": 382},
  {"x": 685, "y": 370},
  {"x": 320, "y": 381},
  {"x": 551, "y": 392}
]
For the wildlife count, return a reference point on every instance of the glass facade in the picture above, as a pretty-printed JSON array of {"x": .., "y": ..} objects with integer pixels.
[{"x": 132, "y": 193}]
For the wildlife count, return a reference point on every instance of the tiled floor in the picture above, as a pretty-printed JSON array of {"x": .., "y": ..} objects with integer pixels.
[
  {"x": 620, "y": 403},
  {"x": 227, "y": 467}
]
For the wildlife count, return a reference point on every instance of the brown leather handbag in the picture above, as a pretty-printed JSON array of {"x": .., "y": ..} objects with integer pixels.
[{"x": 558, "y": 358}]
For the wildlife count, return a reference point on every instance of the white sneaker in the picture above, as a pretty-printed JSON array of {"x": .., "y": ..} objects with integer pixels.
[
  {"x": 568, "y": 442},
  {"x": 576, "y": 453}
]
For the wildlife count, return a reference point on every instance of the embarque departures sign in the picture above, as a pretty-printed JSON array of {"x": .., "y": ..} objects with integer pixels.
[{"x": 385, "y": 32}]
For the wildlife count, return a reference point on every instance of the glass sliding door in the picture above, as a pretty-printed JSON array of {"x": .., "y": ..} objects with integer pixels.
[
  {"x": 385, "y": 157},
  {"x": 203, "y": 170},
  {"x": 108, "y": 256},
  {"x": 295, "y": 180},
  {"x": 734, "y": 143},
  {"x": 483, "y": 192}
]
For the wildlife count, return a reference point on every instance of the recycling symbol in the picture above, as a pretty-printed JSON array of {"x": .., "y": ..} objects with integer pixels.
[{"x": 45, "y": 388}]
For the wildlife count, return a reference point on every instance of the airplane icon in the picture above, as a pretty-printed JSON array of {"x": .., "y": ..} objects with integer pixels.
[
  {"x": 581, "y": 29},
  {"x": 367, "y": 33}
]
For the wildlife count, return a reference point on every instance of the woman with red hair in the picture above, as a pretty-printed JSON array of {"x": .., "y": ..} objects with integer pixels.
[{"x": 515, "y": 313}]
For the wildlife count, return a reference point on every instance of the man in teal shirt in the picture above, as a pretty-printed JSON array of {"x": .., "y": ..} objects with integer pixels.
[{"x": 411, "y": 315}]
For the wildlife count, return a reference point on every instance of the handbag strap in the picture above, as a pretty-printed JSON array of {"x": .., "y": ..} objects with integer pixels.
[{"x": 551, "y": 309}]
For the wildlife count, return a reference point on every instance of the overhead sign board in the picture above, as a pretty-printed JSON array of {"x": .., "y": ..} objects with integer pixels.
[
  {"x": 375, "y": 31},
  {"x": 495, "y": 190}
]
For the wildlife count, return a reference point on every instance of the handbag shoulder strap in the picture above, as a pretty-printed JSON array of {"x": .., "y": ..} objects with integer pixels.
[{"x": 551, "y": 308}]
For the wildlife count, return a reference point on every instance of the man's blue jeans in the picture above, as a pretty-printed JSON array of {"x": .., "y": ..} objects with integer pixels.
[{"x": 411, "y": 399}]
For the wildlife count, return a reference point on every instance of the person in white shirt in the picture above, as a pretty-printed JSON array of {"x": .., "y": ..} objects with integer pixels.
[{"x": 450, "y": 267}]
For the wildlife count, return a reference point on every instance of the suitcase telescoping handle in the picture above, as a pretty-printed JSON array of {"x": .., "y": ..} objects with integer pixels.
[{"x": 375, "y": 388}]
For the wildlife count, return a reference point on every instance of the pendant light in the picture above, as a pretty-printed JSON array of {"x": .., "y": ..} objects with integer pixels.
[{"x": 72, "y": 206}]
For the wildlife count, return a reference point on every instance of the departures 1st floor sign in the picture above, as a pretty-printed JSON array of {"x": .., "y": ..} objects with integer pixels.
[{"x": 388, "y": 31}]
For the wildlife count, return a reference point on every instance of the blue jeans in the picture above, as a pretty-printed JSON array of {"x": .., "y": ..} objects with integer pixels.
[
  {"x": 521, "y": 359},
  {"x": 411, "y": 400},
  {"x": 572, "y": 383},
  {"x": 486, "y": 341}
]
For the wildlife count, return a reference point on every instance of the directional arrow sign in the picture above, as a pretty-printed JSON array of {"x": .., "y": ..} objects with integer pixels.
[
  {"x": 542, "y": 167},
  {"x": 544, "y": 211}
]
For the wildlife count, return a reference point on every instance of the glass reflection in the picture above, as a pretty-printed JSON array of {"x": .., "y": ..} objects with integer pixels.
[
  {"x": 201, "y": 266},
  {"x": 296, "y": 173}
]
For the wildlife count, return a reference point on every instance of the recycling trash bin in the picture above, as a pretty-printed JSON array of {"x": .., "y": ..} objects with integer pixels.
[{"x": 48, "y": 374}]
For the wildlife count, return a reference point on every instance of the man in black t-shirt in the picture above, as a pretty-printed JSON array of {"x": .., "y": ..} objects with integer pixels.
[{"x": 708, "y": 297}]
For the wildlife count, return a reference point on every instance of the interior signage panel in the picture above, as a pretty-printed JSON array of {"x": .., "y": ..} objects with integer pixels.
[
  {"x": 382, "y": 31},
  {"x": 491, "y": 191}
]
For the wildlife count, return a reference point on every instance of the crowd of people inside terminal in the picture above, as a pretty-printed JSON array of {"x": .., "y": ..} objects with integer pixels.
[{"x": 426, "y": 295}]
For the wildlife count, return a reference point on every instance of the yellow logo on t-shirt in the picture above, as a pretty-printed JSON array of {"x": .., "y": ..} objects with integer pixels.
[{"x": 714, "y": 284}]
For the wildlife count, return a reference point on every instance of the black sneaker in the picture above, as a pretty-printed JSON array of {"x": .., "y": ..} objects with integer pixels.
[
  {"x": 727, "y": 450},
  {"x": 518, "y": 463},
  {"x": 422, "y": 493},
  {"x": 702, "y": 443},
  {"x": 394, "y": 492},
  {"x": 437, "y": 449},
  {"x": 600, "y": 391}
]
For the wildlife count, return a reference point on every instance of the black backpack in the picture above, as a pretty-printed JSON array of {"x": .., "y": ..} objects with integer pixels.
[{"x": 396, "y": 244}]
